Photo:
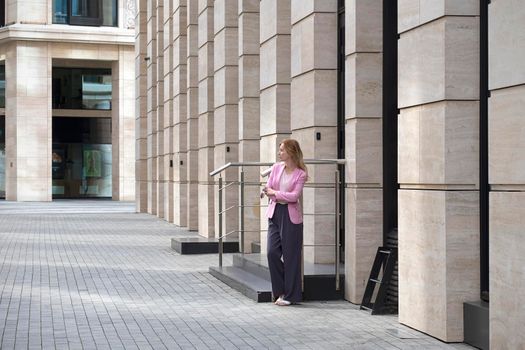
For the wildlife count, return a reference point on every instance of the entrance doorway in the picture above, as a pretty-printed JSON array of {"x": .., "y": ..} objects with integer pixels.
[
  {"x": 82, "y": 157},
  {"x": 2, "y": 156}
]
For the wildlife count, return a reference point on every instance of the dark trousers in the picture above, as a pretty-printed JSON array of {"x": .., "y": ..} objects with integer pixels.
[{"x": 285, "y": 239}]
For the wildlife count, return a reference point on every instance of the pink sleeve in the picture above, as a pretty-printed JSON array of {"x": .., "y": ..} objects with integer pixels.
[{"x": 295, "y": 193}]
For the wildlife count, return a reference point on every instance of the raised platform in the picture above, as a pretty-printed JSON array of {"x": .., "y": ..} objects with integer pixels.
[
  {"x": 476, "y": 324},
  {"x": 201, "y": 245},
  {"x": 250, "y": 276}
]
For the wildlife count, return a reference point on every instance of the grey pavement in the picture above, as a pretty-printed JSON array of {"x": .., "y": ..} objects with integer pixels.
[{"x": 96, "y": 275}]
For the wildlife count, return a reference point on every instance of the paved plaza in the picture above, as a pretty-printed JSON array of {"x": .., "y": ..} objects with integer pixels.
[{"x": 96, "y": 275}]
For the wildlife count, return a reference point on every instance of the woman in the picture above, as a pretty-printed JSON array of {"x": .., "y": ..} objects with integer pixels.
[{"x": 285, "y": 223}]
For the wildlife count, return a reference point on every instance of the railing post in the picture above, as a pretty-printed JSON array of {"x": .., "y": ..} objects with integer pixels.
[
  {"x": 337, "y": 228},
  {"x": 220, "y": 221},
  {"x": 241, "y": 210}
]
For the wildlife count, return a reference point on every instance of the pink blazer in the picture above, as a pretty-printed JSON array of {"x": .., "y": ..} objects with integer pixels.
[{"x": 291, "y": 196}]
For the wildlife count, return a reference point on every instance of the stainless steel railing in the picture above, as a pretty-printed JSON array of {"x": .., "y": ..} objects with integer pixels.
[{"x": 337, "y": 214}]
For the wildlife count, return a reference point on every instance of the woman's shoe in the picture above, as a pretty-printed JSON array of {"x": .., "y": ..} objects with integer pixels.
[
  {"x": 278, "y": 300},
  {"x": 283, "y": 302}
]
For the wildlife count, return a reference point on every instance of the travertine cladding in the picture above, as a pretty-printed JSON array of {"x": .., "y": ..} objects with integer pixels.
[
  {"x": 314, "y": 111},
  {"x": 506, "y": 273},
  {"x": 438, "y": 259},
  {"x": 364, "y": 206},
  {"x": 413, "y": 13},
  {"x": 28, "y": 119},
  {"x": 206, "y": 160},
  {"x": 363, "y": 141},
  {"x": 192, "y": 115},
  {"x": 167, "y": 73},
  {"x": 141, "y": 152},
  {"x": 439, "y": 61},
  {"x": 27, "y": 11},
  {"x": 274, "y": 86},
  {"x": 152, "y": 106},
  {"x": 162, "y": 183},
  {"x": 438, "y": 144},
  {"x": 180, "y": 114},
  {"x": 506, "y": 44},
  {"x": 248, "y": 11},
  {"x": 123, "y": 126}
]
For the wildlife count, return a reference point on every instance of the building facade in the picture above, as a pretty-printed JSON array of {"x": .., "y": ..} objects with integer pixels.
[
  {"x": 67, "y": 99},
  {"x": 422, "y": 99}
]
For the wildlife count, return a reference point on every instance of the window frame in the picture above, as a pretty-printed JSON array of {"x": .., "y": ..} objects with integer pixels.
[{"x": 96, "y": 21}]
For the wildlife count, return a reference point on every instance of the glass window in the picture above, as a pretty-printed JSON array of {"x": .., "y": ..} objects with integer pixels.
[
  {"x": 85, "y": 12},
  {"x": 60, "y": 12},
  {"x": 2, "y": 13},
  {"x": 82, "y": 88},
  {"x": 2, "y": 86}
]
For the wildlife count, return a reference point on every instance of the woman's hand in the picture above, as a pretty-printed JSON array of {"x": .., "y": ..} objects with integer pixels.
[{"x": 269, "y": 192}]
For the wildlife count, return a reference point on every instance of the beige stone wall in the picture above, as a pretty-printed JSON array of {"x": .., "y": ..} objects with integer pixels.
[
  {"x": 506, "y": 173},
  {"x": 207, "y": 211},
  {"x": 438, "y": 164},
  {"x": 363, "y": 142},
  {"x": 314, "y": 111},
  {"x": 192, "y": 115}
]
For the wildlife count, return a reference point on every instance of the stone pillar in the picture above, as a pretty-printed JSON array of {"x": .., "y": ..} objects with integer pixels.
[
  {"x": 123, "y": 126},
  {"x": 168, "y": 52},
  {"x": 314, "y": 111},
  {"x": 275, "y": 81},
  {"x": 26, "y": 11},
  {"x": 249, "y": 121},
  {"x": 363, "y": 142},
  {"x": 141, "y": 120},
  {"x": 438, "y": 166},
  {"x": 192, "y": 116},
  {"x": 179, "y": 140},
  {"x": 28, "y": 121},
  {"x": 226, "y": 98},
  {"x": 207, "y": 210},
  {"x": 162, "y": 158},
  {"x": 506, "y": 173},
  {"x": 152, "y": 105}
]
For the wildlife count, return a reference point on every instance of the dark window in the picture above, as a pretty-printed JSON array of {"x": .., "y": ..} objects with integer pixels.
[
  {"x": 82, "y": 88},
  {"x": 2, "y": 13},
  {"x": 85, "y": 12},
  {"x": 2, "y": 86}
]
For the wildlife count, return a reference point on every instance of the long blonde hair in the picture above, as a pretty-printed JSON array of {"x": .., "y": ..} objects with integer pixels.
[{"x": 294, "y": 150}]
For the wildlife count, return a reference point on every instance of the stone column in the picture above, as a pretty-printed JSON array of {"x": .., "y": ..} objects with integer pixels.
[
  {"x": 314, "y": 112},
  {"x": 363, "y": 142},
  {"x": 438, "y": 165},
  {"x": 226, "y": 98},
  {"x": 28, "y": 121},
  {"x": 167, "y": 74},
  {"x": 141, "y": 120},
  {"x": 207, "y": 210},
  {"x": 162, "y": 158},
  {"x": 192, "y": 116},
  {"x": 275, "y": 81},
  {"x": 506, "y": 173},
  {"x": 123, "y": 126},
  {"x": 152, "y": 105},
  {"x": 179, "y": 140},
  {"x": 249, "y": 121}
]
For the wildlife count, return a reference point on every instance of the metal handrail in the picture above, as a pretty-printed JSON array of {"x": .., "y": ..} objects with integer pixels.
[{"x": 241, "y": 206}]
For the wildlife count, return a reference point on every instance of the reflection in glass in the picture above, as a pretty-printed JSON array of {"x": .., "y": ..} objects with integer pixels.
[
  {"x": 81, "y": 157},
  {"x": 2, "y": 157},
  {"x": 109, "y": 13},
  {"x": 60, "y": 15},
  {"x": 76, "y": 88},
  {"x": 2, "y": 86}
]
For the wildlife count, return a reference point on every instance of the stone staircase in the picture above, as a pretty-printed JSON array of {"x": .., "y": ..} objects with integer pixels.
[{"x": 250, "y": 276}]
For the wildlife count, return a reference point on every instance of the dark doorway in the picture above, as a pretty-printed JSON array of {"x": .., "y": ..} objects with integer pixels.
[
  {"x": 82, "y": 157},
  {"x": 341, "y": 57},
  {"x": 390, "y": 114},
  {"x": 2, "y": 156}
]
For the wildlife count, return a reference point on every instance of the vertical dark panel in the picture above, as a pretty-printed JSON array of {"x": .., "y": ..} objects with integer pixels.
[
  {"x": 341, "y": 113},
  {"x": 483, "y": 152},
  {"x": 390, "y": 112},
  {"x": 2, "y": 13}
]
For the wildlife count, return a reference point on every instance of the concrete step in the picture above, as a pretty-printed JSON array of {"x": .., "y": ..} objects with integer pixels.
[
  {"x": 256, "y": 247},
  {"x": 256, "y": 264},
  {"x": 202, "y": 245},
  {"x": 252, "y": 286}
]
